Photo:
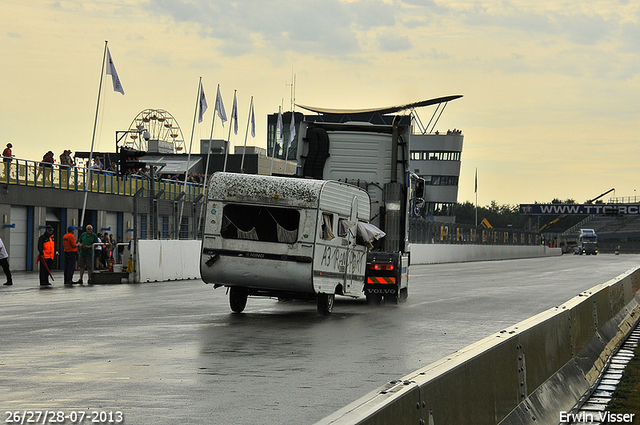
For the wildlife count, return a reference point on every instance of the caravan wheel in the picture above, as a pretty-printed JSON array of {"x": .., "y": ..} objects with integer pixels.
[
  {"x": 325, "y": 303},
  {"x": 238, "y": 299}
]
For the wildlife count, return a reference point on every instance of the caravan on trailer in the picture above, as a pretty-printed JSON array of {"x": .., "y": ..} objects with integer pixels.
[{"x": 287, "y": 238}]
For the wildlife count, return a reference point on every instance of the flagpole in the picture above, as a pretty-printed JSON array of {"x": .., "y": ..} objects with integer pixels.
[
  {"x": 93, "y": 138},
  {"x": 186, "y": 173},
  {"x": 226, "y": 151},
  {"x": 246, "y": 134},
  {"x": 476, "y": 190}
]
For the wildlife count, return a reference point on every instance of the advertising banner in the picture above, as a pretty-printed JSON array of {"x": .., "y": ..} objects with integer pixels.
[{"x": 580, "y": 209}]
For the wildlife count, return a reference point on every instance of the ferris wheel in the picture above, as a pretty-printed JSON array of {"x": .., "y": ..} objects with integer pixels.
[{"x": 155, "y": 130}]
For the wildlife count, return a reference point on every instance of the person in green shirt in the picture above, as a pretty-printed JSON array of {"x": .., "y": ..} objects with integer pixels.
[{"x": 85, "y": 242}]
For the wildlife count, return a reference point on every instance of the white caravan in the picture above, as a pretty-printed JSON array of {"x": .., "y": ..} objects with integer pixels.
[{"x": 283, "y": 237}]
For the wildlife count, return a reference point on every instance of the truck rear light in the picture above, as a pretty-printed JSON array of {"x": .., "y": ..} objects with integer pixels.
[{"x": 386, "y": 267}]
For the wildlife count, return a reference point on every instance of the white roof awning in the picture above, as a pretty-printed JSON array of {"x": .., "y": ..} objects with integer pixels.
[{"x": 173, "y": 165}]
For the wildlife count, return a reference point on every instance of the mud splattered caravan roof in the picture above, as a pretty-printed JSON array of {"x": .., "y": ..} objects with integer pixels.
[{"x": 285, "y": 191}]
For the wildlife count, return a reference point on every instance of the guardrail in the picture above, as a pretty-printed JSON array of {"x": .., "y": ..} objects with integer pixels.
[
  {"x": 527, "y": 374},
  {"x": 24, "y": 172}
]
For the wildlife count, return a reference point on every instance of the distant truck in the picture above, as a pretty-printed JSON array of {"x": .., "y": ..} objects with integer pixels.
[
  {"x": 587, "y": 242},
  {"x": 375, "y": 158},
  {"x": 287, "y": 238}
]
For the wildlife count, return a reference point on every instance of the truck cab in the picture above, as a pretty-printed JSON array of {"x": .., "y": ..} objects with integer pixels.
[{"x": 588, "y": 242}]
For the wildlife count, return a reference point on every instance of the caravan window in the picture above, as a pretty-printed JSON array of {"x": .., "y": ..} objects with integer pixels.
[
  {"x": 344, "y": 226},
  {"x": 326, "y": 231},
  {"x": 265, "y": 224}
]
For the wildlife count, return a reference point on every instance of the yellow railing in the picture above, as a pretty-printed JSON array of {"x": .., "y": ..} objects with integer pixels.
[{"x": 37, "y": 174}]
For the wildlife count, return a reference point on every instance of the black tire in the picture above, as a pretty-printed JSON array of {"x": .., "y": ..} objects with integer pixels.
[
  {"x": 238, "y": 299},
  {"x": 325, "y": 303}
]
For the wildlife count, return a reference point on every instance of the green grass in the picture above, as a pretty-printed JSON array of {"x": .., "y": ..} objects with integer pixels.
[{"x": 626, "y": 397}]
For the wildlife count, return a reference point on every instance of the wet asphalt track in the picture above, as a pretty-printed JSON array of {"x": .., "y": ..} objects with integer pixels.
[{"x": 173, "y": 353}]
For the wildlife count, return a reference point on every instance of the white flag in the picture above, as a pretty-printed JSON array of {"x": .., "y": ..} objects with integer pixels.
[
  {"x": 220, "y": 108},
  {"x": 280, "y": 129},
  {"x": 203, "y": 103},
  {"x": 253, "y": 121},
  {"x": 292, "y": 129},
  {"x": 111, "y": 70},
  {"x": 475, "y": 190},
  {"x": 234, "y": 114}
]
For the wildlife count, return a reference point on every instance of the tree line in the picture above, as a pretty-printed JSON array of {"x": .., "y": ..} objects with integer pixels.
[{"x": 508, "y": 216}]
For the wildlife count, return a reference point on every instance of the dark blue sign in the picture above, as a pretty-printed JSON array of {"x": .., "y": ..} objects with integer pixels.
[{"x": 580, "y": 209}]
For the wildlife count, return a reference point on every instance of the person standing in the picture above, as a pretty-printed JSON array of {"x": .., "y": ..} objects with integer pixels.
[
  {"x": 85, "y": 243},
  {"x": 8, "y": 155},
  {"x": 4, "y": 263},
  {"x": 70, "y": 255},
  {"x": 46, "y": 250},
  {"x": 67, "y": 163},
  {"x": 98, "y": 265},
  {"x": 46, "y": 167}
]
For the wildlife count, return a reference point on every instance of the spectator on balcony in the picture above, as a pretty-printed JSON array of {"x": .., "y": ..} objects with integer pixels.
[
  {"x": 67, "y": 162},
  {"x": 66, "y": 159},
  {"x": 47, "y": 166},
  {"x": 97, "y": 164},
  {"x": 8, "y": 155}
]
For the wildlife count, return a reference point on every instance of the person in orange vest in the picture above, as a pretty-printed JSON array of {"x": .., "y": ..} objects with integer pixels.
[
  {"x": 46, "y": 250},
  {"x": 70, "y": 255}
]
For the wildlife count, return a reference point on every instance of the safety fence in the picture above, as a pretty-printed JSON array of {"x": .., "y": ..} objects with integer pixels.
[
  {"x": 432, "y": 232},
  {"x": 24, "y": 172}
]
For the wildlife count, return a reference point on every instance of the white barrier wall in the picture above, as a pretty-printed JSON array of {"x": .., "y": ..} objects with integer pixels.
[
  {"x": 441, "y": 253},
  {"x": 162, "y": 260}
]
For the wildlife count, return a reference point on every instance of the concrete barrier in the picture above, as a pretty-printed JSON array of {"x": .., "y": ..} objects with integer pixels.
[
  {"x": 179, "y": 259},
  {"x": 161, "y": 260},
  {"x": 442, "y": 253},
  {"x": 526, "y": 374}
]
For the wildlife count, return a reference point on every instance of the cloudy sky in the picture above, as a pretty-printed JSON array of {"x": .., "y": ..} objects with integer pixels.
[{"x": 550, "y": 88}]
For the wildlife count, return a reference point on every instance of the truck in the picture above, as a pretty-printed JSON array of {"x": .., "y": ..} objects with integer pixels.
[
  {"x": 376, "y": 159},
  {"x": 286, "y": 238},
  {"x": 587, "y": 242}
]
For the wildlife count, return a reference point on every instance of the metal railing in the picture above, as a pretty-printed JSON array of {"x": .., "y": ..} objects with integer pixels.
[
  {"x": 24, "y": 172},
  {"x": 432, "y": 232},
  {"x": 625, "y": 200}
]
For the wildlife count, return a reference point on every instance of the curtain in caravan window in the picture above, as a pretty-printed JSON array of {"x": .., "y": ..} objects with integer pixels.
[
  {"x": 344, "y": 226},
  {"x": 286, "y": 236},
  {"x": 250, "y": 235},
  {"x": 327, "y": 227}
]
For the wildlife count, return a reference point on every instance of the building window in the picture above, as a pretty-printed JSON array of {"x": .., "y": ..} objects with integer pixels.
[
  {"x": 439, "y": 208},
  {"x": 435, "y": 156},
  {"x": 441, "y": 180}
]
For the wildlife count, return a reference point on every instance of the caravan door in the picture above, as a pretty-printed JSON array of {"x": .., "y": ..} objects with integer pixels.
[{"x": 355, "y": 258}]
